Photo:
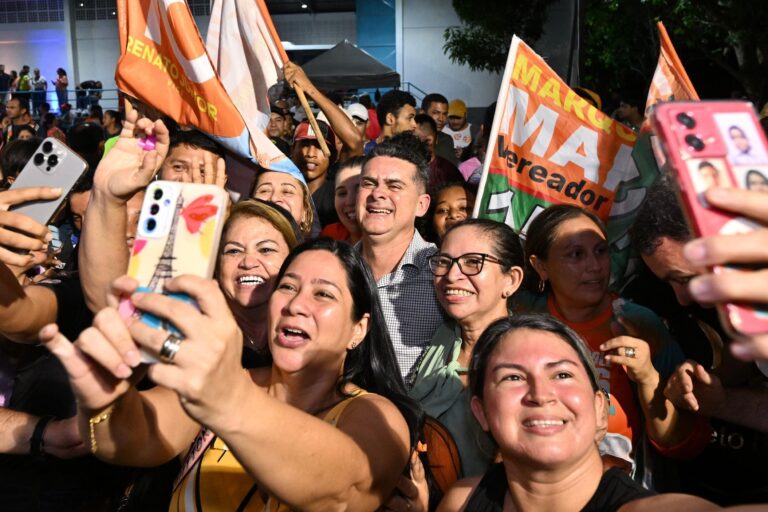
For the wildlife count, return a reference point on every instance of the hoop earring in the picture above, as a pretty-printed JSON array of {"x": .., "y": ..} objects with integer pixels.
[{"x": 542, "y": 285}]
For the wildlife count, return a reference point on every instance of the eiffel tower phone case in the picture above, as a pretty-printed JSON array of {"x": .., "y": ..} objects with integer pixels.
[{"x": 179, "y": 230}]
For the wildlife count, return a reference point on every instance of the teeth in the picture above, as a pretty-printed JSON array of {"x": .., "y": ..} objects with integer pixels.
[
  {"x": 383, "y": 212},
  {"x": 544, "y": 423},
  {"x": 294, "y": 332},
  {"x": 310, "y": 166},
  {"x": 462, "y": 293},
  {"x": 352, "y": 216},
  {"x": 250, "y": 280}
]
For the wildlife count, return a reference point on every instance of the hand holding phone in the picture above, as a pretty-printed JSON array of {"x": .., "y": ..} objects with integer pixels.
[
  {"x": 20, "y": 233},
  {"x": 736, "y": 286},
  {"x": 179, "y": 230},
  {"x": 719, "y": 148}
]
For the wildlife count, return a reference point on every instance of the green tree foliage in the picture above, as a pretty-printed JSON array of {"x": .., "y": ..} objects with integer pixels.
[
  {"x": 722, "y": 43},
  {"x": 482, "y": 43}
]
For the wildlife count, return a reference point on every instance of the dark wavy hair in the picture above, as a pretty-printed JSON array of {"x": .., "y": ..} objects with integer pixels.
[
  {"x": 371, "y": 365},
  {"x": 659, "y": 216},
  {"x": 494, "y": 333}
]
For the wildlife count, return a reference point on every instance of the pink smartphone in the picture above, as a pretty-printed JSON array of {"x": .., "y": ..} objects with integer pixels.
[
  {"x": 179, "y": 230},
  {"x": 716, "y": 143}
]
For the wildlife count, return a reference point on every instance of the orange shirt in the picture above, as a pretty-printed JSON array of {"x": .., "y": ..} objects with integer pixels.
[{"x": 624, "y": 416}]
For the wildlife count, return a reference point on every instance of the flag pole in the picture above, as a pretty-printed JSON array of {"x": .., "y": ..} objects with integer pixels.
[
  {"x": 312, "y": 120},
  {"x": 299, "y": 91}
]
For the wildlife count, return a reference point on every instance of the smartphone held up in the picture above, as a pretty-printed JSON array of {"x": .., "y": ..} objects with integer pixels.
[
  {"x": 179, "y": 229},
  {"x": 716, "y": 144},
  {"x": 53, "y": 164}
]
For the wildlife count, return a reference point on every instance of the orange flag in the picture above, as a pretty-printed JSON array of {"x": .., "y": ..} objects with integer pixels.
[
  {"x": 670, "y": 81},
  {"x": 164, "y": 63}
]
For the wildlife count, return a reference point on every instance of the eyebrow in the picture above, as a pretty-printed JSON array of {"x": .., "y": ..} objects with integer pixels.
[
  {"x": 552, "y": 364},
  {"x": 320, "y": 280}
]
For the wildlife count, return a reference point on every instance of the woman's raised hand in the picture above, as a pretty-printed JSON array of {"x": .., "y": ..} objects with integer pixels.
[{"x": 206, "y": 371}]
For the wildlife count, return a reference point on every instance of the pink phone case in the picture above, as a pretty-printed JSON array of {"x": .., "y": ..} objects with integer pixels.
[
  {"x": 716, "y": 143},
  {"x": 179, "y": 230}
]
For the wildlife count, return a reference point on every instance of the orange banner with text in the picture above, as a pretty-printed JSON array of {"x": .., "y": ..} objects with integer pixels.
[{"x": 552, "y": 144}]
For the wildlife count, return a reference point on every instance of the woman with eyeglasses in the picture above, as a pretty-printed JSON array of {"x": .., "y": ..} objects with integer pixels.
[{"x": 480, "y": 265}]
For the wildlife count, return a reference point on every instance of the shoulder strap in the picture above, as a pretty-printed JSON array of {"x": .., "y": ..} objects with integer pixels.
[
  {"x": 334, "y": 414},
  {"x": 201, "y": 443},
  {"x": 490, "y": 492}
]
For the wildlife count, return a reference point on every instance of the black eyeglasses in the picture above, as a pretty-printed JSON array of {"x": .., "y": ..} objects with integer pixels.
[{"x": 470, "y": 264}]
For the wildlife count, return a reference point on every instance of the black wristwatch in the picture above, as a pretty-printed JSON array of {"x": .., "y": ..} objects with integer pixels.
[{"x": 36, "y": 442}]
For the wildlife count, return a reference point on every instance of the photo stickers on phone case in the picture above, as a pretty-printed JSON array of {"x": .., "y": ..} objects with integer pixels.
[
  {"x": 741, "y": 139},
  {"x": 751, "y": 177},
  {"x": 707, "y": 173}
]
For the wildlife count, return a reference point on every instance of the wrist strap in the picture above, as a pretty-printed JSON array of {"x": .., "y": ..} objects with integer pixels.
[{"x": 36, "y": 442}]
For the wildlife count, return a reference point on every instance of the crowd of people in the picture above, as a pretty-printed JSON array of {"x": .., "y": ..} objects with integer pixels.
[{"x": 364, "y": 343}]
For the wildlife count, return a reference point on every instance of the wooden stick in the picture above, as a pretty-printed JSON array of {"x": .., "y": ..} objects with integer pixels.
[
  {"x": 312, "y": 120},
  {"x": 261, "y": 4}
]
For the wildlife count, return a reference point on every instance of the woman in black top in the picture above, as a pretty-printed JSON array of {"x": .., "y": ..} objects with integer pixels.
[{"x": 535, "y": 388}]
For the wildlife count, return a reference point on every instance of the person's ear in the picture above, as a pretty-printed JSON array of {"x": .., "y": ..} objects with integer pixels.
[
  {"x": 513, "y": 278},
  {"x": 359, "y": 331},
  {"x": 539, "y": 266},
  {"x": 422, "y": 205},
  {"x": 390, "y": 119},
  {"x": 602, "y": 408},
  {"x": 477, "y": 409}
]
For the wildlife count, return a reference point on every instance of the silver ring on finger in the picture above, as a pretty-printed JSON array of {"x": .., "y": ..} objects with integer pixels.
[
  {"x": 169, "y": 348},
  {"x": 629, "y": 352}
]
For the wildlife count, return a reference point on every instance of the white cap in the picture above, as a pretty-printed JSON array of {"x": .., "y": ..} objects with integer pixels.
[{"x": 358, "y": 110}]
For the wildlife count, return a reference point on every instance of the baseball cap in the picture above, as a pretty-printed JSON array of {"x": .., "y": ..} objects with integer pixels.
[
  {"x": 304, "y": 131},
  {"x": 358, "y": 110},
  {"x": 457, "y": 108},
  {"x": 279, "y": 111}
]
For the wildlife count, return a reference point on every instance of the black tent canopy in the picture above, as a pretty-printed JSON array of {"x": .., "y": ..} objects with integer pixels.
[{"x": 347, "y": 67}]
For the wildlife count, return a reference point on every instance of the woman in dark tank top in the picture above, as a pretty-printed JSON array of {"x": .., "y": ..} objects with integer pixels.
[{"x": 535, "y": 389}]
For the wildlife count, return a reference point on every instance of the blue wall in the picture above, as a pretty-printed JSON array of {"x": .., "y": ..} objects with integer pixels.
[{"x": 376, "y": 29}]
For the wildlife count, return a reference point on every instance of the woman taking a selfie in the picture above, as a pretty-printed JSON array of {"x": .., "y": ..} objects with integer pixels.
[{"x": 327, "y": 426}]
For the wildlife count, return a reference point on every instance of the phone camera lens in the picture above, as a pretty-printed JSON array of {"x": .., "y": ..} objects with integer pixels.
[
  {"x": 47, "y": 146},
  {"x": 53, "y": 160},
  {"x": 686, "y": 120},
  {"x": 158, "y": 193},
  {"x": 151, "y": 225},
  {"x": 154, "y": 209},
  {"x": 39, "y": 159},
  {"x": 694, "y": 142}
]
